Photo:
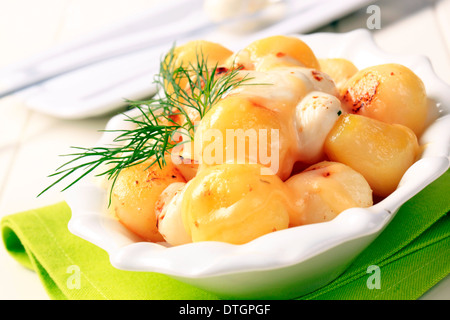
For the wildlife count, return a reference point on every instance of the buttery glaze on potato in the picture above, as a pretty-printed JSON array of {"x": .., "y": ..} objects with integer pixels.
[
  {"x": 234, "y": 203},
  {"x": 344, "y": 134}
]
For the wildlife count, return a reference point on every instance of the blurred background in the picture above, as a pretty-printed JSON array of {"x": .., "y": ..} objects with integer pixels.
[{"x": 31, "y": 140}]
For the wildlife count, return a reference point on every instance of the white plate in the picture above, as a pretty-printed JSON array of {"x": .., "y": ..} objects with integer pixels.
[{"x": 286, "y": 263}]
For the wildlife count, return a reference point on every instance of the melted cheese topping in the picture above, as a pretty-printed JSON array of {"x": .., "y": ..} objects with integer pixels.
[
  {"x": 275, "y": 90},
  {"x": 315, "y": 115},
  {"x": 306, "y": 101}
]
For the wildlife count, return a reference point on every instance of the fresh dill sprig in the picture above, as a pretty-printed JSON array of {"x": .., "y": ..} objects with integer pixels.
[{"x": 156, "y": 125}]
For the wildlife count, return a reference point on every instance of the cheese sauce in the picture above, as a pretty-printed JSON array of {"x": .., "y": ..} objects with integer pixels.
[{"x": 305, "y": 100}]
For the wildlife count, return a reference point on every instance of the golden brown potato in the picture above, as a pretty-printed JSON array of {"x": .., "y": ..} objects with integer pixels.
[
  {"x": 339, "y": 69},
  {"x": 239, "y": 130},
  {"x": 188, "y": 55},
  {"x": 135, "y": 194},
  {"x": 381, "y": 152},
  {"x": 391, "y": 93},
  {"x": 324, "y": 190},
  {"x": 234, "y": 203}
]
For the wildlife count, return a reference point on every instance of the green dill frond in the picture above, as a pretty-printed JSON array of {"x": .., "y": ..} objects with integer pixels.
[{"x": 156, "y": 125}]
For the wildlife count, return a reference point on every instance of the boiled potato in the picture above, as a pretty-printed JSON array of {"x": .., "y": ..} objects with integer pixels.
[
  {"x": 188, "y": 55},
  {"x": 339, "y": 69},
  {"x": 234, "y": 203},
  {"x": 324, "y": 190},
  {"x": 135, "y": 194},
  {"x": 239, "y": 130},
  {"x": 191, "y": 51},
  {"x": 381, "y": 152},
  {"x": 391, "y": 93},
  {"x": 274, "y": 51}
]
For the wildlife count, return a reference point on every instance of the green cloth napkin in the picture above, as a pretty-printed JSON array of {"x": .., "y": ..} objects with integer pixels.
[{"x": 412, "y": 254}]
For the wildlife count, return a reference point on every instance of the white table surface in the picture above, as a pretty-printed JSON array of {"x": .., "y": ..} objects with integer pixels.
[{"x": 30, "y": 143}]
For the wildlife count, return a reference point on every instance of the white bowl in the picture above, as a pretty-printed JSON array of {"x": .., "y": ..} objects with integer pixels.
[{"x": 288, "y": 263}]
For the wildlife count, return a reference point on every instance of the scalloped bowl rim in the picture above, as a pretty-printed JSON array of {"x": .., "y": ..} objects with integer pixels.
[{"x": 207, "y": 259}]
